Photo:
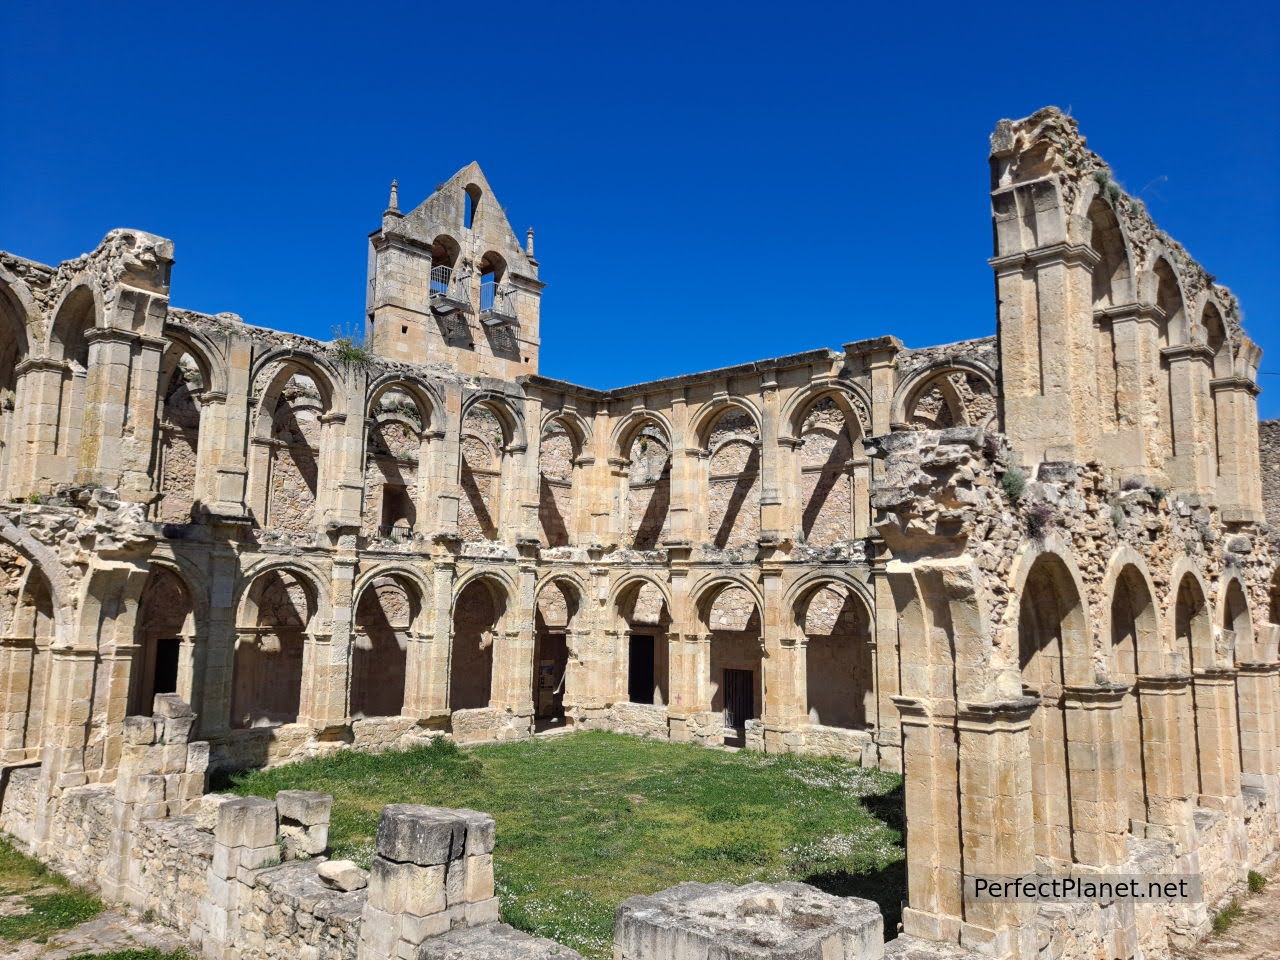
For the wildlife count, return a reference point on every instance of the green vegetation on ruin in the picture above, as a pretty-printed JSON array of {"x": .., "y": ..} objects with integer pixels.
[
  {"x": 49, "y": 902},
  {"x": 587, "y": 820}
]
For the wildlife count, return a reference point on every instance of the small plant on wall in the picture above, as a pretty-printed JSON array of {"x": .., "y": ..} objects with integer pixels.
[{"x": 350, "y": 348}]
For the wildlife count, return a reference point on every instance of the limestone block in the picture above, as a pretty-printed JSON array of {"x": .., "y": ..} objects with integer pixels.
[
  {"x": 198, "y": 756},
  {"x": 306, "y": 807},
  {"x": 411, "y": 833},
  {"x": 255, "y": 858},
  {"x": 171, "y": 706},
  {"x": 342, "y": 875},
  {"x": 481, "y": 832},
  {"x": 407, "y": 887},
  {"x": 479, "y": 878},
  {"x": 176, "y": 729},
  {"x": 493, "y": 942},
  {"x": 140, "y": 731},
  {"x": 247, "y": 822},
  {"x": 751, "y": 922}
]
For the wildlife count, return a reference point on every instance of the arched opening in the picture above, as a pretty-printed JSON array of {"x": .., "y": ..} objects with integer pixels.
[
  {"x": 178, "y": 435},
  {"x": 1135, "y": 652},
  {"x": 477, "y": 619},
  {"x": 1216, "y": 339},
  {"x": 839, "y": 669},
  {"x": 1193, "y": 647},
  {"x": 557, "y": 605},
  {"x": 1237, "y": 633},
  {"x": 270, "y": 642},
  {"x": 289, "y": 441},
  {"x": 557, "y": 454},
  {"x": 69, "y": 343},
  {"x": 733, "y": 480},
  {"x": 395, "y": 450},
  {"x": 646, "y": 622},
  {"x": 166, "y": 636},
  {"x": 952, "y": 398},
  {"x": 1111, "y": 287},
  {"x": 829, "y": 446},
  {"x": 1171, "y": 331},
  {"x": 1273, "y": 598},
  {"x": 444, "y": 261},
  {"x": 27, "y": 626},
  {"x": 648, "y": 479},
  {"x": 472, "y": 205},
  {"x": 736, "y": 661},
  {"x": 1052, "y": 646},
  {"x": 484, "y": 444},
  {"x": 385, "y": 615},
  {"x": 13, "y": 350}
]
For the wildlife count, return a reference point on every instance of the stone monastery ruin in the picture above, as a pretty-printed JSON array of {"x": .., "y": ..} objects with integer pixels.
[{"x": 1030, "y": 571}]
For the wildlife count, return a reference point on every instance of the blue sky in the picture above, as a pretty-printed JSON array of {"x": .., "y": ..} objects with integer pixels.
[{"x": 710, "y": 183}]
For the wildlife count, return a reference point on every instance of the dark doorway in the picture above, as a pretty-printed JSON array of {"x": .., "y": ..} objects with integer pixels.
[
  {"x": 739, "y": 699},
  {"x": 166, "y": 668},
  {"x": 548, "y": 679},
  {"x": 640, "y": 673}
]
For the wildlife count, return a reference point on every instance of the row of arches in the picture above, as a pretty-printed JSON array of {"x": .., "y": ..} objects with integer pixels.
[{"x": 1180, "y": 716}]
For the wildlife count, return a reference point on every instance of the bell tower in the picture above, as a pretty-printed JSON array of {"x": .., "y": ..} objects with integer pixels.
[{"x": 449, "y": 281}]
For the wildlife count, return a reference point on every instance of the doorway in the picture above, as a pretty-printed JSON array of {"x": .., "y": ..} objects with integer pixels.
[
  {"x": 739, "y": 701},
  {"x": 640, "y": 671},
  {"x": 550, "y": 665}
]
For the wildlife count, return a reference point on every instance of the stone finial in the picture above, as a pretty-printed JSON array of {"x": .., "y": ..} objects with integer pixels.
[
  {"x": 528, "y": 243},
  {"x": 393, "y": 203}
]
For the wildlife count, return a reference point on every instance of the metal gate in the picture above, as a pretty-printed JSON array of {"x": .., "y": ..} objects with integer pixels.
[{"x": 739, "y": 698}]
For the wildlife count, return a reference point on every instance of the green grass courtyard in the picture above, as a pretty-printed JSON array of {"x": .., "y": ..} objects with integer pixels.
[{"x": 586, "y": 820}]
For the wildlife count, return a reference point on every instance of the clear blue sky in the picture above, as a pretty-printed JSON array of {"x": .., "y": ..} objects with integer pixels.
[{"x": 710, "y": 184}]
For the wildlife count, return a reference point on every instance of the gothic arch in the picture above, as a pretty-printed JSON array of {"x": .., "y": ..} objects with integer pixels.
[
  {"x": 977, "y": 407},
  {"x": 387, "y": 609},
  {"x": 840, "y": 681}
]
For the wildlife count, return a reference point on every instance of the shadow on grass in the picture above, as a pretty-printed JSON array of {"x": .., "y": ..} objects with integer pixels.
[{"x": 887, "y": 887}]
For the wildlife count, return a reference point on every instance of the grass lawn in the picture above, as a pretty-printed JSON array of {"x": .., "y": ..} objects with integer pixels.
[
  {"x": 51, "y": 903},
  {"x": 589, "y": 819}
]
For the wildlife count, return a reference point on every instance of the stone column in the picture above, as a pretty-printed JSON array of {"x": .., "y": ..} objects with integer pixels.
[
  {"x": 17, "y": 661},
  {"x": 689, "y": 679},
  {"x": 140, "y": 418},
  {"x": 1218, "y": 739},
  {"x": 890, "y": 601},
  {"x": 1190, "y": 366},
  {"x": 786, "y": 704},
  {"x": 1161, "y": 700},
  {"x": 1096, "y": 771},
  {"x": 773, "y": 523},
  {"x": 997, "y": 821},
  {"x": 434, "y": 679},
  {"x": 1135, "y": 447},
  {"x": 67, "y": 716},
  {"x": 327, "y": 684},
  {"x": 43, "y": 466},
  {"x": 1236, "y": 406},
  {"x": 106, "y": 403},
  {"x": 1255, "y": 697},
  {"x": 686, "y": 512},
  {"x": 212, "y": 692}
]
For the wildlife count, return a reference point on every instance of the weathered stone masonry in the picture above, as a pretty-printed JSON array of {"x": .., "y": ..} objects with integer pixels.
[{"x": 1016, "y": 568}]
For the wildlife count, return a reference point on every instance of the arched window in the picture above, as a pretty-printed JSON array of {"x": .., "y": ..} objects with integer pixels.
[
  {"x": 1172, "y": 329},
  {"x": 472, "y": 201},
  {"x": 556, "y": 457},
  {"x": 645, "y": 621},
  {"x": 484, "y": 441},
  {"x": 648, "y": 490},
  {"x": 557, "y": 606},
  {"x": 839, "y": 671},
  {"x": 178, "y": 436},
  {"x": 827, "y": 451},
  {"x": 394, "y": 468},
  {"x": 736, "y": 661},
  {"x": 733, "y": 480},
  {"x": 477, "y": 620},
  {"x": 270, "y": 640},
  {"x": 166, "y": 633},
  {"x": 385, "y": 615},
  {"x": 13, "y": 350}
]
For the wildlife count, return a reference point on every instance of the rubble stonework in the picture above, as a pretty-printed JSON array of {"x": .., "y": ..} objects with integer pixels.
[{"x": 1034, "y": 559}]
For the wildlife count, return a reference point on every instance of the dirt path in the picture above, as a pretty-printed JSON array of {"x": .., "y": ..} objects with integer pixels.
[{"x": 1255, "y": 936}]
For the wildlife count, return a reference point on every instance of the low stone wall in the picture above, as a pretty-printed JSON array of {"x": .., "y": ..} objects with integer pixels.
[
  {"x": 854, "y": 745},
  {"x": 18, "y": 804},
  {"x": 640, "y": 720},
  {"x": 490, "y": 725}
]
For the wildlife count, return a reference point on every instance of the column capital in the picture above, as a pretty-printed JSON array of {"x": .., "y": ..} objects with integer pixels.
[
  {"x": 1234, "y": 385},
  {"x": 1068, "y": 254}
]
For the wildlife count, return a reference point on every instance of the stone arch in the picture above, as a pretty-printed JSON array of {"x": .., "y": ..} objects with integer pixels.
[
  {"x": 1217, "y": 338},
  {"x": 14, "y": 349},
  {"x": 277, "y": 615},
  {"x": 29, "y": 630},
  {"x": 1192, "y": 627},
  {"x": 1053, "y": 654},
  {"x": 491, "y": 433},
  {"x": 730, "y": 438},
  {"x": 184, "y": 380},
  {"x": 290, "y": 448},
  {"x": 953, "y": 394},
  {"x": 398, "y": 418},
  {"x": 834, "y": 494},
  {"x": 731, "y": 611},
  {"x": 1113, "y": 273},
  {"x": 480, "y": 606},
  {"x": 78, "y": 313},
  {"x": 559, "y": 447},
  {"x": 644, "y": 447},
  {"x": 167, "y": 629},
  {"x": 1136, "y": 650},
  {"x": 557, "y": 605},
  {"x": 1236, "y": 620},
  {"x": 387, "y": 610},
  {"x": 840, "y": 681},
  {"x": 642, "y": 606}
]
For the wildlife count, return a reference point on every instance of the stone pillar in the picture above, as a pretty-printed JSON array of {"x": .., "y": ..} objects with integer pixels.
[
  {"x": 304, "y": 822},
  {"x": 135, "y": 466},
  {"x": 1190, "y": 366},
  {"x": 1161, "y": 701},
  {"x": 327, "y": 671},
  {"x": 786, "y": 703},
  {"x": 212, "y": 694},
  {"x": 67, "y": 715},
  {"x": 773, "y": 522},
  {"x": 1135, "y": 446},
  {"x": 1217, "y": 738},
  {"x": 997, "y": 821},
  {"x": 244, "y": 840},
  {"x": 689, "y": 679},
  {"x": 935, "y": 878},
  {"x": 433, "y": 681},
  {"x": 433, "y": 872},
  {"x": 1236, "y": 405},
  {"x": 1096, "y": 768},
  {"x": 1256, "y": 685},
  {"x": 43, "y": 466},
  {"x": 17, "y": 662},
  {"x": 686, "y": 512}
]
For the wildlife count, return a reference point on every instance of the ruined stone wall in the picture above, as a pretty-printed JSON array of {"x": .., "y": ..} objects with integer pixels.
[{"x": 1269, "y": 456}]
